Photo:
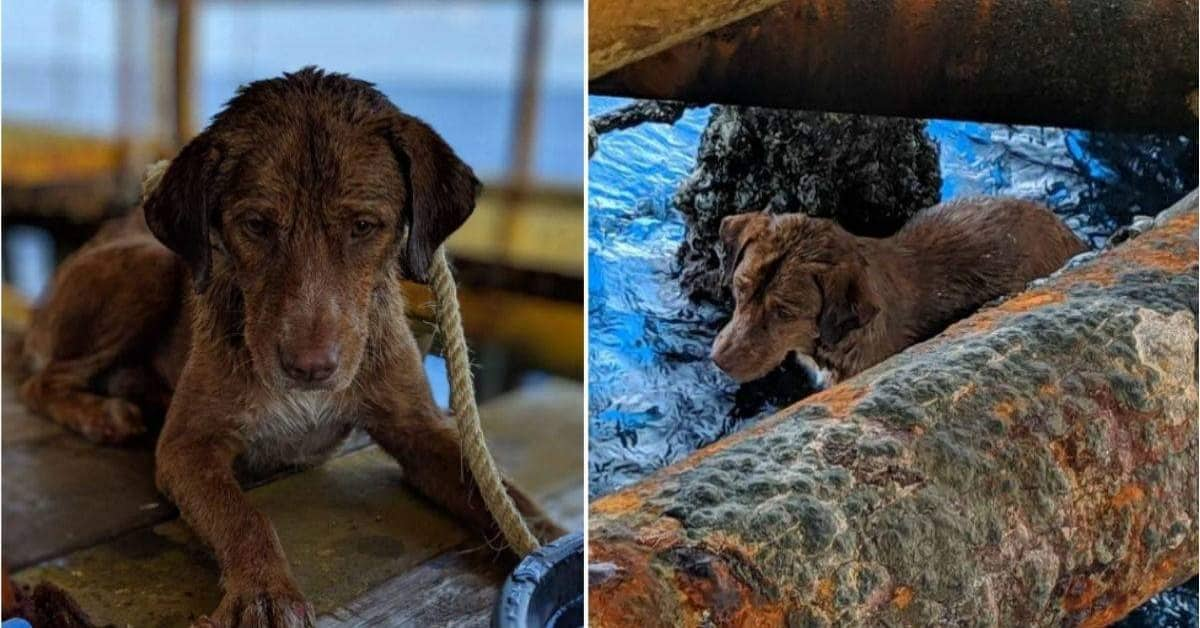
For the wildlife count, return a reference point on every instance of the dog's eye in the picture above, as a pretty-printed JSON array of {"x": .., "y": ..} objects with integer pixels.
[
  {"x": 257, "y": 226},
  {"x": 362, "y": 228}
]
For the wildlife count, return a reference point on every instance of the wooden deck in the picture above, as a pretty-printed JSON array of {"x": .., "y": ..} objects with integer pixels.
[{"x": 364, "y": 548}]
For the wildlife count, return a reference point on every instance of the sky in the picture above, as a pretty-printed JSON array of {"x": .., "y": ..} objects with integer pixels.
[
  {"x": 453, "y": 63},
  {"x": 474, "y": 41}
]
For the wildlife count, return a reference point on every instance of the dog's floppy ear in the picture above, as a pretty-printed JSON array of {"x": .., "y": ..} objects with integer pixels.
[
  {"x": 733, "y": 230},
  {"x": 736, "y": 232},
  {"x": 846, "y": 303},
  {"x": 441, "y": 188},
  {"x": 180, "y": 210}
]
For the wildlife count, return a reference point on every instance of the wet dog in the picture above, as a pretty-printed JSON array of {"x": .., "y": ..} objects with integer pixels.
[
  {"x": 257, "y": 293},
  {"x": 843, "y": 303}
]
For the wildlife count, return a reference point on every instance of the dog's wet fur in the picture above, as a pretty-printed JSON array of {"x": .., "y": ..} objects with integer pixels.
[
  {"x": 255, "y": 297},
  {"x": 844, "y": 303}
]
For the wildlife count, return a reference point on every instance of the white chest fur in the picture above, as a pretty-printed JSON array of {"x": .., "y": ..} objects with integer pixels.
[{"x": 297, "y": 429}]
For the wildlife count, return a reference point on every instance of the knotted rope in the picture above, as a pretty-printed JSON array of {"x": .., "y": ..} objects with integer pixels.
[{"x": 462, "y": 394}]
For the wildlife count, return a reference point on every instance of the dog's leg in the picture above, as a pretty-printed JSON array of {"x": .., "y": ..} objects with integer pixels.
[
  {"x": 407, "y": 424},
  {"x": 194, "y": 468},
  {"x": 106, "y": 304},
  {"x": 61, "y": 392}
]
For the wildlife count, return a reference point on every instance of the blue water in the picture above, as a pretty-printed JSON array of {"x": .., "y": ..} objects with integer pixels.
[{"x": 654, "y": 394}]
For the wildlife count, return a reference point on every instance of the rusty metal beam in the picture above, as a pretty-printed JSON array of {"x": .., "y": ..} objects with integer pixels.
[
  {"x": 1033, "y": 465},
  {"x": 621, "y": 32},
  {"x": 184, "y": 70},
  {"x": 1127, "y": 65}
]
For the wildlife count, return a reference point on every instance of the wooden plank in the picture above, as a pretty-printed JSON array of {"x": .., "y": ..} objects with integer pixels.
[
  {"x": 458, "y": 588},
  {"x": 536, "y": 435},
  {"x": 346, "y": 527},
  {"x": 62, "y": 493},
  {"x": 354, "y": 533}
]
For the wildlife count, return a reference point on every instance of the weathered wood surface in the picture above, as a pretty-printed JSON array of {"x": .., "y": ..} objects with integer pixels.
[
  {"x": 457, "y": 588},
  {"x": 62, "y": 493},
  {"x": 1033, "y": 465},
  {"x": 360, "y": 542}
]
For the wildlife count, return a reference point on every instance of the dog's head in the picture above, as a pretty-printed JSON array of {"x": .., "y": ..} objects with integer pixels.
[
  {"x": 305, "y": 198},
  {"x": 797, "y": 281}
]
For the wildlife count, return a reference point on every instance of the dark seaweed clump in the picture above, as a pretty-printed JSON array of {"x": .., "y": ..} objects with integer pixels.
[{"x": 1130, "y": 175}]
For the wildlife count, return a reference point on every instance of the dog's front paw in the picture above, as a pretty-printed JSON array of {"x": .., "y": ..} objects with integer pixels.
[
  {"x": 260, "y": 607},
  {"x": 121, "y": 421}
]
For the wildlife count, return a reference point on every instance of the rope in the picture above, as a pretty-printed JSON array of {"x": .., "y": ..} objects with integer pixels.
[
  {"x": 466, "y": 413},
  {"x": 462, "y": 395}
]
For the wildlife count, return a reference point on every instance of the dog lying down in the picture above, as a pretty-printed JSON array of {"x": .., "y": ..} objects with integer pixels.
[
  {"x": 257, "y": 293},
  {"x": 843, "y": 303}
]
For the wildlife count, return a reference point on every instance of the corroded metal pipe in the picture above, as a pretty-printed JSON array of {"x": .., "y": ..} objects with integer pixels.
[
  {"x": 1033, "y": 465},
  {"x": 1126, "y": 65},
  {"x": 620, "y": 32}
]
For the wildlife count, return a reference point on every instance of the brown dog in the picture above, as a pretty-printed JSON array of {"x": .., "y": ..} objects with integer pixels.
[
  {"x": 272, "y": 320},
  {"x": 844, "y": 302}
]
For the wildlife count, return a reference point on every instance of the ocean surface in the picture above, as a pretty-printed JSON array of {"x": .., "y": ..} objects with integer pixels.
[{"x": 654, "y": 394}]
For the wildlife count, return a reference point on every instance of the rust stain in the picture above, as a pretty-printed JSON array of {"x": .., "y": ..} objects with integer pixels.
[
  {"x": 1119, "y": 603},
  {"x": 618, "y": 600},
  {"x": 902, "y": 597},
  {"x": 825, "y": 592},
  {"x": 1129, "y": 494},
  {"x": 1123, "y": 603},
  {"x": 1029, "y": 301},
  {"x": 840, "y": 400},
  {"x": 1084, "y": 598},
  {"x": 1005, "y": 410},
  {"x": 616, "y": 503},
  {"x": 1060, "y": 455}
]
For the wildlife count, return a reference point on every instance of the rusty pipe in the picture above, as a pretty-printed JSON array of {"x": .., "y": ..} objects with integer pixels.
[
  {"x": 620, "y": 31},
  {"x": 1127, "y": 65},
  {"x": 1034, "y": 465}
]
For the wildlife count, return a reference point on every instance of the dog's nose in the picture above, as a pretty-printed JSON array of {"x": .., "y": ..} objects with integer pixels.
[{"x": 310, "y": 365}]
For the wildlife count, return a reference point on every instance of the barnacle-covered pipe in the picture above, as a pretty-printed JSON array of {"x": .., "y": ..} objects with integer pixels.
[{"x": 1035, "y": 464}]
